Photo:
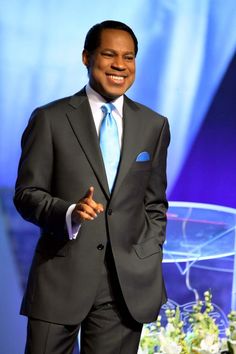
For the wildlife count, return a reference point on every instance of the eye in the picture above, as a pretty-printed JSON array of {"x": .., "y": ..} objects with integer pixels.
[
  {"x": 129, "y": 57},
  {"x": 107, "y": 54}
]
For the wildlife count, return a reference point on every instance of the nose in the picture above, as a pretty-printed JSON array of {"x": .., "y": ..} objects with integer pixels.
[{"x": 118, "y": 63}]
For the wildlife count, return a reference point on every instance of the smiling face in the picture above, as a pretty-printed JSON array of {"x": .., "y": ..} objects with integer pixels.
[{"x": 111, "y": 67}]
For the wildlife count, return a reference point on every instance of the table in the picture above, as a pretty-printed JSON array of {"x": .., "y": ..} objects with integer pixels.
[{"x": 197, "y": 231}]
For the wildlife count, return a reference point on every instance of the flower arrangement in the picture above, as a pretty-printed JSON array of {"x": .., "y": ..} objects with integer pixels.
[
  {"x": 231, "y": 332},
  {"x": 202, "y": 336}
]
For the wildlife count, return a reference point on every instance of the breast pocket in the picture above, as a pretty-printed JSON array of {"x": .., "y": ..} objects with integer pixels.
[{"x": 141, "y": 166}]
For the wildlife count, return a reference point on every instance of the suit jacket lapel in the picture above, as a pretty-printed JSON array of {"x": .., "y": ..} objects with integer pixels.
[
  {"x": 131, "y": 132},
  {"x": 82, "y": 123}
]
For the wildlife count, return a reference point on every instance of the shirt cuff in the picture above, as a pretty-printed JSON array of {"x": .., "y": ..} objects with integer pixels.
[{"x": 72, "y": 229}]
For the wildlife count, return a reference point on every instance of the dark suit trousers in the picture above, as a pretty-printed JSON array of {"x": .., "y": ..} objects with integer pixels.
[{"x": 107, "y": 329}]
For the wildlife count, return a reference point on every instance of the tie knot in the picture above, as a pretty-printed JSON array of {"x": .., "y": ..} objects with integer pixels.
[{"x": 107, "y": 108}]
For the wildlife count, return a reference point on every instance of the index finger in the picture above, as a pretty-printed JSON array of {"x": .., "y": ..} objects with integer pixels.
[{"x": 89, "y": 193}]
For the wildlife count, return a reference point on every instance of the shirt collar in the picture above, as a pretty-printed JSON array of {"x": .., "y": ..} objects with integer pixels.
[{"x": 98, "y": 100}]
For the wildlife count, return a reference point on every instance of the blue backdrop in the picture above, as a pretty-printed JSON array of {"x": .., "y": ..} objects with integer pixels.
[
  {"x": 186, "y": 70},
  {"x": 185, "y": 50}
]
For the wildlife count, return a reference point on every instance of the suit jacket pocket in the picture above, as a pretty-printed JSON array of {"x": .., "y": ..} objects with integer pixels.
[
  {"x": 141, "y": 166},
  {"x": 49, "y": 246},
  {"x": 147, "y": 248}
]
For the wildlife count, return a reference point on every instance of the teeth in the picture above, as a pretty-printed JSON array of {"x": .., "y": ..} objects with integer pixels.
[{"x": 117, "y": 78}]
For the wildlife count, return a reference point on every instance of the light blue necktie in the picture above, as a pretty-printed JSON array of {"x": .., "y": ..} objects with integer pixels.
[{"x": 109, "y": 143}]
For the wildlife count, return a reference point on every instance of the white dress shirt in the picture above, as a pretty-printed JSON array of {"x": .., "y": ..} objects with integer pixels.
[{"x": 96, "y": 101}]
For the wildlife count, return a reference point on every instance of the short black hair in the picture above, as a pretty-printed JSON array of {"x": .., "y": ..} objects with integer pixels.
[{"x": 93, "y": 37}]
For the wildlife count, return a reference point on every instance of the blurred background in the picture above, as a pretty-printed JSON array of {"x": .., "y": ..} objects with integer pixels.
[{"x": 186, "y": 70}]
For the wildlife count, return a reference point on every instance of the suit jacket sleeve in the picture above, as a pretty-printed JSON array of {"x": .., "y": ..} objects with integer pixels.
[
  {"x": 155, "y": 199},
  {"x": 33, "y": 197}
]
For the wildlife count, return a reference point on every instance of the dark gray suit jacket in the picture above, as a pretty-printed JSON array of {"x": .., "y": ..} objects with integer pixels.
[{"x": 60, "y": 159}]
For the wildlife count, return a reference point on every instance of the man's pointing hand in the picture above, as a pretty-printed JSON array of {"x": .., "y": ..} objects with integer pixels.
[{"x": 86, "y": 208}]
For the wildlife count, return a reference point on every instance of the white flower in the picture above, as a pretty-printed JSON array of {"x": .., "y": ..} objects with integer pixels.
[
  {"x": 168, "y": 346},
  {"x": 170, "y": 327},
  {"x": 210, "y": 345}
]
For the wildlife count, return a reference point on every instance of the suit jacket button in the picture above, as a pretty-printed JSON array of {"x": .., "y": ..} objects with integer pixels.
[
  {"x": 109, "y": 211},
  {"x": 100, "y": 247}
]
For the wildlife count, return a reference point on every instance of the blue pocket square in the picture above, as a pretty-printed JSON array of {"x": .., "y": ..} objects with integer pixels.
[{"x": 143, "y": 156}]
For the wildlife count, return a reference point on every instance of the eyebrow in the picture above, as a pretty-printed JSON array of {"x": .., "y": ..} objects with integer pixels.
[{"x": 114, "y": 50}]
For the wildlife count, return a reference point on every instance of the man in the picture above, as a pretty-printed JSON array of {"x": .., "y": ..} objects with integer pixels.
[{"x": 101, "y": 209}]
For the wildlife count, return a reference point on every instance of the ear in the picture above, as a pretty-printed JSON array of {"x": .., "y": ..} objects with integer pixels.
[{"x": 86, "y": 58}]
